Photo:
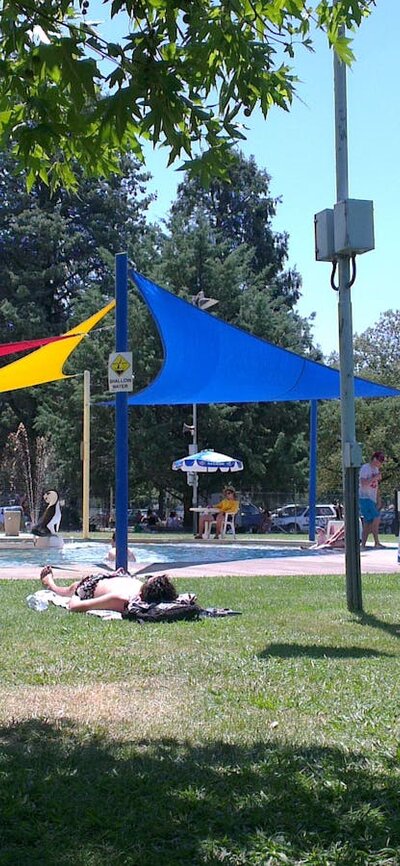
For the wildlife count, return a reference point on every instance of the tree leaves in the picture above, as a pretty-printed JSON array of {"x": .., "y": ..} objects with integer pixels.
[{"x": 179, "y": 79}]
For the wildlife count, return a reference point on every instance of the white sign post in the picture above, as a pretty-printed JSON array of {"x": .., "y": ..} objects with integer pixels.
[{"x": 120, "y": 376}]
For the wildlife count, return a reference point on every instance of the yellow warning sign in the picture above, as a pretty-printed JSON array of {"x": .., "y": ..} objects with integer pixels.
[
  {"x": 120, "y": 365},
  {"x": 120, "y": 371}
]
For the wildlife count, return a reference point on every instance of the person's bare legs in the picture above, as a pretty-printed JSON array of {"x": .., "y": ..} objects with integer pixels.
[
  {"x": 366, "y": 529},
  {"x": 203, "y": 520},
  {"x": 219, "y": 522},
  {"x": 337, "y": 539},
  {"x": 109, "y": 601},
  {"x": 47, "y": 579},
  {"x": 375, "y": 531}
]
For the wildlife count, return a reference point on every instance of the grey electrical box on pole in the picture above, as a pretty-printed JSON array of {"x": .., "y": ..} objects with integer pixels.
[
  {"x": 324, "y": 236},
  {"x": 345, "y": 230},
  {"x": 353, "y": 224}
]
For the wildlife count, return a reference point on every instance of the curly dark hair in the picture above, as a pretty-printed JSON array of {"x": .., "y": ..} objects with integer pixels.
[{"x": 158, "y": 588}]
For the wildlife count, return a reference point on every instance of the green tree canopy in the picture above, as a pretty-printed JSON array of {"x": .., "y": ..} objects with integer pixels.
[
  {"x": 221, "y": 241},
  {"x": 57, "y": 268},
  {"x": 376, "y": 356},
  {"x": 184, "y": 74},
  {"x": 377, "y": 350}
]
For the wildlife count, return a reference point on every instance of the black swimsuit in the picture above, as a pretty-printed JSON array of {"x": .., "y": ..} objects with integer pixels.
[{"x": 87, "y": 586}]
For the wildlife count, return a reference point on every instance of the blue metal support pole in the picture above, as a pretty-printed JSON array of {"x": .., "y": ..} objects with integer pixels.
[
  {"x": 121, "y": 416},
  {"x": 313, "y": 467}
]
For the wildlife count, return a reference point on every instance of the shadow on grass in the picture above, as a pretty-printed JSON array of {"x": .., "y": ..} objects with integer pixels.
[
  {"x": 319, "y": 651},
  {"x": 69, "y": 796},
  {"x": 392, "y": 628}
]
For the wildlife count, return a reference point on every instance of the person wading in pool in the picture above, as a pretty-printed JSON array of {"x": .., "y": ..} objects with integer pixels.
[
  {"x": 111, "y": 554},
  {"x": 110, "y": 591}
]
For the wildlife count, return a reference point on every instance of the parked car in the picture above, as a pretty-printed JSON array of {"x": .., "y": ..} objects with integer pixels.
[
  {"x": 288, "y": 518},
  {"x": 98, "y": 519},
  {"x": 296, "y": 518},
  {"x": 248, "y": 518},
  {"x": 388, "y": 522}
]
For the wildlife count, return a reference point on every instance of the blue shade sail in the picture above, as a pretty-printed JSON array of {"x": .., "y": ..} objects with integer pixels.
[
  {"x": 209, "y": 361},
  {"x": 208, "y": 461}
]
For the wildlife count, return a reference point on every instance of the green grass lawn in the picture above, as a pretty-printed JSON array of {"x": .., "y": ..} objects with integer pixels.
[
  {"x": 278, "y": 538},
  {"x": 266, "y": 739}
]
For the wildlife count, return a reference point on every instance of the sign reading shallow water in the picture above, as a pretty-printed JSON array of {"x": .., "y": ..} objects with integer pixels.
[{"x": 120, "y": 376}]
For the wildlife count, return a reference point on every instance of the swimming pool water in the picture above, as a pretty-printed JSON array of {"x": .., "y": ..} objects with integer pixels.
[{"x": 94, "y": 553}]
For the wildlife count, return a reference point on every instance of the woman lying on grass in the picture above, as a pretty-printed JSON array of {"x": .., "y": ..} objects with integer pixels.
[{"x": 95, "y": 592}]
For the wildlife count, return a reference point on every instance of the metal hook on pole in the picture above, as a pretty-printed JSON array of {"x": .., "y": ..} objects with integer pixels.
[
  {"x": 353, "y": 274},
  {"x": 353, "y": 271},
  {"x": 334, "y": 267}
]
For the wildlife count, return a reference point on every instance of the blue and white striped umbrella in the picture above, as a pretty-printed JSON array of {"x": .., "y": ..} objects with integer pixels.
[{"x": 208, "y": 461}]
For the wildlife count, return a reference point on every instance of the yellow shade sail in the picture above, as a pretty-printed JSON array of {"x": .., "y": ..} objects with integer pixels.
[{"x": 46, "y": 364}]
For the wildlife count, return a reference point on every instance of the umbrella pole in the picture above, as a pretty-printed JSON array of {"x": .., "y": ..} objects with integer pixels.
[
  {"x": 195, "y": 478},
  {"x": 194, "y": 503}
]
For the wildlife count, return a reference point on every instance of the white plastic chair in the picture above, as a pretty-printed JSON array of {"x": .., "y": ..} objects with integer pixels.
[
  {"x": 333, "y": 526},
  {"x": 229, "y": 521}
]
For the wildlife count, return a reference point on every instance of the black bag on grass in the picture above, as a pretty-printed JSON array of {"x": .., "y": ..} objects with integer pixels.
[{"x": 171, "y": 611}]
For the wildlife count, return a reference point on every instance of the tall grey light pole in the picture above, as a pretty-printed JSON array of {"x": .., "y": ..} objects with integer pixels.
[
  {"x": 350, "y": 456},
  {"x": 341, "y": 234}
]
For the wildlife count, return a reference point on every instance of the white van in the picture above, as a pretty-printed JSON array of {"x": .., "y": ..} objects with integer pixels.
[{"x": 296, "y": 518}]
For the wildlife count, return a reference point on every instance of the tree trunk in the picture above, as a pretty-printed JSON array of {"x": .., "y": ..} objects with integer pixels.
[{"x": 161, "y": 504}]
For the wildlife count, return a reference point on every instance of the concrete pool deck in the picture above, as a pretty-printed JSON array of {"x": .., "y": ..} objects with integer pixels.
[{"x": 322, "y": 562}]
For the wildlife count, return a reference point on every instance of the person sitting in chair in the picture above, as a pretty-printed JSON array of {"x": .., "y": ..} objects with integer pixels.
[
  {"x": 228, "y": 505},
  {"x": 152, "y": 520},
  {"x": 173, "y": 521}
]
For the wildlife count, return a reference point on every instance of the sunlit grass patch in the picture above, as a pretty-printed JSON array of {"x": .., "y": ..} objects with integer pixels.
[{"x": 267, "y": 738}]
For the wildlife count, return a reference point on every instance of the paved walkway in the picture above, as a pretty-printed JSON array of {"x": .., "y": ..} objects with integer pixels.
[{"x": 372, "y": 562}]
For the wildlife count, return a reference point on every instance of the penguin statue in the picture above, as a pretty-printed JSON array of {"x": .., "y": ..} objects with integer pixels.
[{"x": 48, "y": 524}]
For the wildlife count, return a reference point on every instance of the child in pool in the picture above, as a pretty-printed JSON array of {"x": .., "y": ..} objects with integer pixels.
[{"x": 111, "y": 553}]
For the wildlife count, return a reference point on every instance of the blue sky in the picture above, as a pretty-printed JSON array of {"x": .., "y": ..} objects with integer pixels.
[{"x": 297, "y": 150}]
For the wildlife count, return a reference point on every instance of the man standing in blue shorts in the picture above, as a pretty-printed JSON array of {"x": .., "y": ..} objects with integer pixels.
[{"x": 370, "y": 476}]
